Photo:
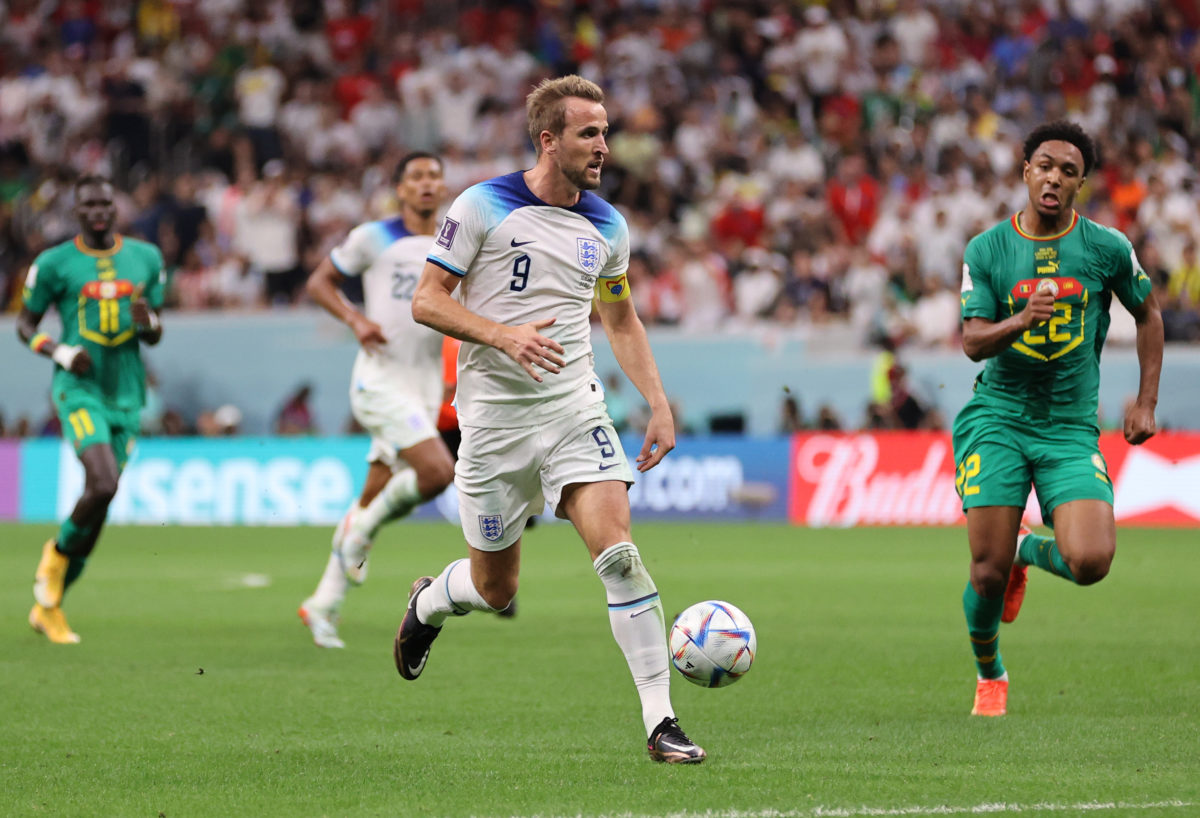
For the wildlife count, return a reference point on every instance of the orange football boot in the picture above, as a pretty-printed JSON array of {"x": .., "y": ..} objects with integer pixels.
[
  {"x": 1014, "y": 592},
  {"x": 991, "y": 697}
]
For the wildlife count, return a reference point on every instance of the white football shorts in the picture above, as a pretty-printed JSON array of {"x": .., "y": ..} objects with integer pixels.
[
  {"x": 505, "y": 476},
  {"x": 394, "y": 419}
]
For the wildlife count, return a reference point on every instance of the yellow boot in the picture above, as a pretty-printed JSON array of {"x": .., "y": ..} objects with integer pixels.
[
  {"x": 51, "y": 622},
  {"x": 50, "y": 577}
]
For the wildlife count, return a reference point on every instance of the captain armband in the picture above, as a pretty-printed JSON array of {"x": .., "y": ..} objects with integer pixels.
[{"x": 613, "y": 289}]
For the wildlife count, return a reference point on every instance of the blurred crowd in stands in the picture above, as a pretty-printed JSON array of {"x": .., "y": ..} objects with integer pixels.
[{"x": 802, "y": 164}]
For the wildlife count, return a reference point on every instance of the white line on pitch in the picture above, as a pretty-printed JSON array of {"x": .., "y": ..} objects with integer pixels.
[
  {"x": 979, "y": 809},
  {"x": 883, "y": 812}
]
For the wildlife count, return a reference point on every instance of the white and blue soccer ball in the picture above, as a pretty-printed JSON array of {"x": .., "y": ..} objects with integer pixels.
[{"x": 713, "y": 644}]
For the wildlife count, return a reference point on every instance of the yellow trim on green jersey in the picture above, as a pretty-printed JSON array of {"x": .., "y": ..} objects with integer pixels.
[
  {"x": 92, "y": 251},
  {"x": 1016, "y": 223}
]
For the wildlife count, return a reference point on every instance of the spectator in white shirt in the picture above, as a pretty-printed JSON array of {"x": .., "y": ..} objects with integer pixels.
[
  {"x": 268, "y": 231},
  {"x": 377, "y": 119},
  {"x": 915, "y": 29},
  {"x": 259, "y": 90}
]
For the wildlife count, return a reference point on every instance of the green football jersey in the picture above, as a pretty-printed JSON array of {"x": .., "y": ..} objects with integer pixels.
[
  {"x": 92, "y": 291},
  {"x": 1053, "y": 370}
]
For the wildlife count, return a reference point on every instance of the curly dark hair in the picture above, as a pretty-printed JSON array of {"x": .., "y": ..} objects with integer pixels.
[{"x": 1063, "y": 131}]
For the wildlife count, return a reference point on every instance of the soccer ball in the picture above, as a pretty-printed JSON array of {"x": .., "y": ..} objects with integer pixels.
[{"x": 712, "y": 644}]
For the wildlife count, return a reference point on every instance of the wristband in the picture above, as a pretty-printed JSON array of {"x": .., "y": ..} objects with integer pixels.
[
  {"x": 153, "y": 325},
  {"x": 64, "y": 355},
  {"x": 38, "y": 341}
]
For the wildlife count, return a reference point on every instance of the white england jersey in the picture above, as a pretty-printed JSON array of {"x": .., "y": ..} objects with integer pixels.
[
  {"x": 520, "y": 260},
  {"x": 390, "y": 261}
]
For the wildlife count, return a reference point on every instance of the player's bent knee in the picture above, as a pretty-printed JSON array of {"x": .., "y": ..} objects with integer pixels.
[
  {"x": 987, "y": 579},
  {"x": 100, "y": 490},
  {"x": 433, "y": 480},
  {"x": 444, "y": 475},
  {"x": 1091, "y": 568},
  {"x": 497, "y": 599},
  {"x": 498, "y": 593}
]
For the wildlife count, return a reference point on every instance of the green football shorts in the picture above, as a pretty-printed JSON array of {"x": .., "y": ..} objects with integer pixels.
[
  {"x": 999, "y": 457},
  {"x": 86, "y": 421}
]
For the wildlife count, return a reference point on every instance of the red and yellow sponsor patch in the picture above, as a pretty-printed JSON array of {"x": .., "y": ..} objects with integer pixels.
[
  {"x": 613, "y": 289},
  {"x": 1067, "y": 286}
]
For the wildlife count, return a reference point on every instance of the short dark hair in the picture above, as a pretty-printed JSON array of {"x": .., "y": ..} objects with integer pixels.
[
  {"x": 92, "y": 179},
  {"x": 1063, "y": 131},
  {"x": 402, "y": 165}
]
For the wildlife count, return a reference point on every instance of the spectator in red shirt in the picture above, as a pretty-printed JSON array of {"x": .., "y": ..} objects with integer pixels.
[
  {"x": 351, "y": 87},
  {"x": 347, "y": 33},
  {"x": 739, "y": 224},
  {"x": 854, "y": 199}
]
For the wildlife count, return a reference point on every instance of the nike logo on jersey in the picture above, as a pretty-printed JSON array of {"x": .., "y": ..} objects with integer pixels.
[
  {"x": 607, "y": 466},
  {"x": 515, "y": 243},
  {"x": 639, "y": 613}
]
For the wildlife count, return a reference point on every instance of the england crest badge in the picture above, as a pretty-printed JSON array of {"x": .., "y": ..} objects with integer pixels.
[
  {"x": 589, "y": 254},
  {"x": 491, "y": 526}
]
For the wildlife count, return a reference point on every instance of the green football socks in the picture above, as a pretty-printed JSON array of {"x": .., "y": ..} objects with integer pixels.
[
  {"x": 1043, "y": 552},
  {"x": 72, "y": 539},
  {"x": 75, "y": 567},
  {"x": 983, "y": 626}
]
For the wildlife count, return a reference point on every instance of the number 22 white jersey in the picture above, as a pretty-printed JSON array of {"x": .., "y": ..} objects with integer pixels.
[
  {"x": 390, "y": 259},
  {"x": 521, "y": 260}
]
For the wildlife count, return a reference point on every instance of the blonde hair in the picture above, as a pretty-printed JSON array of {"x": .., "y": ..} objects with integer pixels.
[{"x": 546, "y": 109}]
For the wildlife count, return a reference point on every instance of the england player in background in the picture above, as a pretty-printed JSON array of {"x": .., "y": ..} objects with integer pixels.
[
  {"x": 396, "y": 384},
  {"x": 527, "y": 254}
]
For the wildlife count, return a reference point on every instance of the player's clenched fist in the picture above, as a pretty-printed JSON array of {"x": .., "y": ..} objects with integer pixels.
[
  {"x": 369, "y": 334},
  {"x": 140, "y": 311},
  {"x": 1140, "y": 425},
  {"x": 73, "y": 358},
  {"x": 1039, "y": 308},
  {"x": 529, "y": 348}
]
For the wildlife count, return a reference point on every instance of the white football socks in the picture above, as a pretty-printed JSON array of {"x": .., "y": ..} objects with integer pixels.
[
  {"x": 398, "y": 497},
  {"x": 331, "y": 590},
  {"x": 636, "y": 616},
  {"x": 451, "y": 594}
]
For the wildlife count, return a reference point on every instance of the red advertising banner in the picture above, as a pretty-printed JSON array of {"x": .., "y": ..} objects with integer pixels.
[
  {"x": 1158, "y": 482},
  {"x": 907, "y": 478}
]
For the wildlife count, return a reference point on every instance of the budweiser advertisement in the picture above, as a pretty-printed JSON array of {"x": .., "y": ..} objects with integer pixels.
[{"x": 907, "y": 478}]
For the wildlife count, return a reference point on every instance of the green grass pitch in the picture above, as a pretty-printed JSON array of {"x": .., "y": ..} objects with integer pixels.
[{"x": 197, "y": 692}]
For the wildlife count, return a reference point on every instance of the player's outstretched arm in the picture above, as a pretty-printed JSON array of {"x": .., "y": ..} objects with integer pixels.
[
  {"x": 434, "y": 306},
  {"x": 1140, "y": 425},
  {"x": 982, "y": 338},
  {"x": 324, "y": 286},
  {"x": 73, "y": 358},
  {"x": 632, "y": 350}
]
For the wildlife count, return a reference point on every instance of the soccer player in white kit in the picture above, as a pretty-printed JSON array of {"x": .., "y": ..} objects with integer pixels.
[
  {"x": 527, "y": 253},
  {"x": 396, "y": 385}
]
